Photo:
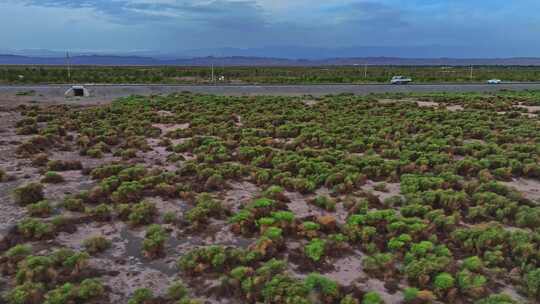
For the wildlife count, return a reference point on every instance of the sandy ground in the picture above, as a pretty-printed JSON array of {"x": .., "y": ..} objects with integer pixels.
[
  {"x": 19, "y": 169},
  {"x": 528, "y": 187}
]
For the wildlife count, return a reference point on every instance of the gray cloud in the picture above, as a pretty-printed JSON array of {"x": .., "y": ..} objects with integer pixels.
[
  {"x": 239, "y": 14},
  {"x": 372, "y": 14},
  {"x": 187, "y": 24}
]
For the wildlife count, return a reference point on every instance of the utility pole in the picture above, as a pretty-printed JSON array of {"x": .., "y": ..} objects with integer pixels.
[
  {"x": 212, "y": 72},
  {"x": 365, "y": 71},
  {"x": 222, "y": 76},
  {"x": 68, "y": 66},
  {"x": 471, "y": 73}
]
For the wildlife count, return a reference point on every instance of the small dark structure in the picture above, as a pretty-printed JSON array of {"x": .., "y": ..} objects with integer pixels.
[{"x": 77, "y": 91}]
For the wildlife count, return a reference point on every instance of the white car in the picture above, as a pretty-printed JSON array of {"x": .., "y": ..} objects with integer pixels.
[
  {"x": 494, "y": 81},
  {"x": 400, "y": 80}
]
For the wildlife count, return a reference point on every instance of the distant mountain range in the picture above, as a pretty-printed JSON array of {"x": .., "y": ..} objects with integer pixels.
[
  {"x": 126, "y": 60},
  {"x": 298, "y": 52}
]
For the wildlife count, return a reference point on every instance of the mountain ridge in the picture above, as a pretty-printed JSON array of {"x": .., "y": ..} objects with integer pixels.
[{"x": 123, "y": 60}]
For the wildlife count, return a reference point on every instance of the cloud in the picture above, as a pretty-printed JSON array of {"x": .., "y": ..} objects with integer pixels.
[
  {"x": 369, "y": 13},
  {"x": 181, "y": 24},
  {"x": 212, "y": 12},
  {"x": 231, "y": 15}
]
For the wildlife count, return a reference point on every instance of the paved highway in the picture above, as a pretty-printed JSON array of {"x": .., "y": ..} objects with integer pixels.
[{"x": 119, "y": 90}]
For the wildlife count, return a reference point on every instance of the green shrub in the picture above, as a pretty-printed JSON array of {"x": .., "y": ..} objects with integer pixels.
[
  {"x": 94, "y": 153},
  {"x": 73, "y": 204},
  {"x": 64, "y": 165},
  {"x": 400, "y": 242},
  {"x": 315, "y": 249},
  {"x": 425, "y": 260},
  {"x": 77, "y": 261},
  {"x": 59, "y": 256},
  {"x": 197, "y": 215},
  {"x": 275, "y": 192},
  {"x": 273, "y": 233},
  {"x": 128, "y": 192},
  {"x": 473, "y": 263},
  {"x": 166, "y": 190},
  {"x": 96, "y": 244},
  {"x": 189, "y": 301},
  {"x": 381, "y": 187},
  {"x": 444, "y": 281},
  {"x": 169, "y": 217},
  {"x": 240, "y": 217},
  {"x": 471, "y": 283},
  {"x": 215, "y": 258},
  {"x": 215, "y": 182},
  {"x": 497, "y": 299},
  {"x": 18, "y": 251},
  {"x": 35, "y": 229},
  {"x": 283, "y": 216},
  {"x": 324, "y": 202},
  {"x": 52, "y": 177},
  {"x": 27, "y": 293},
  {"x": 63, "y": 294},
  {"x": 348, "y": 299},
  {"x": 393, "y": 201},
  {"x": 35, "y": 269},
  {"x": 532, "y": 283},
  {"x": 372, "y": 298},
  {"x": 3, "y": 176},
  {"x": 310, "y": 226},
  {"x": 378, "y": 263},
  {"x": 29, "y": 194},
  {"x": 177, "y": 290},
  {"x": 410, "y": 294},
  {"x": 142, "y": 213},
  {"x": 266, "y": 221},
  {"x": 528, "y": 217},
  {"x": 262, "y": 203},
  {"x": 154, "y": 241},
  {"x": 105, "y": 171},
  {"x": 102, "y": 212},
  {"x": 128, "y": 153},
  {"x": 319, "y": 283},
  {"x": 141, "y": 296},
  {"x": 90, "y": 289},
  {"x": 283, "y": 289},
  {"x": 40, "y": 209},
  {"x": 205, "y": 207},
  {"x": 28, "y": 129}
]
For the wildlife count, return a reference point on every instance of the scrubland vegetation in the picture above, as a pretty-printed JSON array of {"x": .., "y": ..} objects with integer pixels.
[
  {"x": 268, "y": 75},
  {"x": 367, "y": 200}
]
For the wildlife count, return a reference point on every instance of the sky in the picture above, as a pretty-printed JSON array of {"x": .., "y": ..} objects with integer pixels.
[{"x": 466, "y": 28}]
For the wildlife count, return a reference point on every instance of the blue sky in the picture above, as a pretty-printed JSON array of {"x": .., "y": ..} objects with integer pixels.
[{"x": 474, "y": 27}]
